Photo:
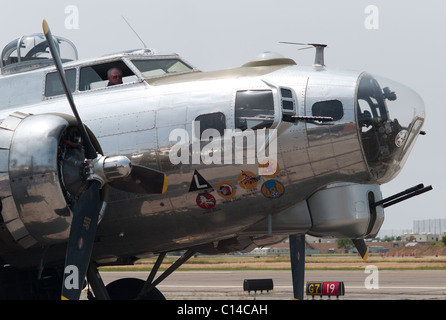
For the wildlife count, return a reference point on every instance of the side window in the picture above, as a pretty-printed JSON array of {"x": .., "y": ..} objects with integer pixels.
[
  {"x": 215, "y": 121},
  {"x": 288, "y": 101},
  {"x": 97, "y": 76},
  {"x": 53, "y": 86},
  {"x": 160, "y": 67},
  {"x": 330, "y": 108},
  {"x": 254, "y": 109}
]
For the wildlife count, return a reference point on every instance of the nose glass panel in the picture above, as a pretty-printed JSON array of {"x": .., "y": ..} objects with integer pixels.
[{"x": 390, "y": 117}]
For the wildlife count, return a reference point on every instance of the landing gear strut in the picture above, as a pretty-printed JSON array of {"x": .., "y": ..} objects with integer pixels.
[
  {"x": 95, "y": 280},
  {"x": 150, "y": 284},
  {"x": 134, "y": 289}
]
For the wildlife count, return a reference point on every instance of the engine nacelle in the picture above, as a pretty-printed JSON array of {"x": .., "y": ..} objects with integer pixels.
[{"x": 41, "y": 176}]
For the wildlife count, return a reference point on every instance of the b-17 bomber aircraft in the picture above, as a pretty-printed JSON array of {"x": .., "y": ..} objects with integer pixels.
[{"x": 107, "y": 160}]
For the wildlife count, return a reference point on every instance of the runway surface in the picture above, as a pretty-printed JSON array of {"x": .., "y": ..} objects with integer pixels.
[{"x": 225, "y": 285}]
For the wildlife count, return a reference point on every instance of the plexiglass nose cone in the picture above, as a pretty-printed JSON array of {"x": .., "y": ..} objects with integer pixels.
[{"x": 390, "y": 116}]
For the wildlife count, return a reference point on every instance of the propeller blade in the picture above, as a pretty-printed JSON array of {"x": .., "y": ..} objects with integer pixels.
[
  {"x": 362, "y": 248},
  {"x": 89, "y": 148},
  {"x": 81, "y": 240},
  {"x": 297, "y": 257},
  {"x": 142, "y": 180},
  {"x": 87, "y": 208}
]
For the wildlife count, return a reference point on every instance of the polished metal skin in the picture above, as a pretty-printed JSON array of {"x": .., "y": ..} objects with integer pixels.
[
  {"x": 328, "y": 172},
  {"x": 34, "y": 206}
]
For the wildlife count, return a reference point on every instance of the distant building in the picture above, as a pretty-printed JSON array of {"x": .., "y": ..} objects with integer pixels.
[
  {"x": 270, "y": 251},
  {"x": 377, "y": 249},
  {"x": 433, "y": 226},
  {"x": 311, "y": 239},
  {"x": 392, "y": 233},
  {"x": 421, "y": 237}
]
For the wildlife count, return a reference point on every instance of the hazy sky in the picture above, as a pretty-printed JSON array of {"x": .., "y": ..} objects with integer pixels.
[{"x": 404, "y": 42}]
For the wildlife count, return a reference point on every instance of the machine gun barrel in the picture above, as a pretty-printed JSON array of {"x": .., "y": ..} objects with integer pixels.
[{"x": 401, "y": 196}]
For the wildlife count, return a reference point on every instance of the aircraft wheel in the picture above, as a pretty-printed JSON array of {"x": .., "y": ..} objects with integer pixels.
[{"x": 129, "y": 288}]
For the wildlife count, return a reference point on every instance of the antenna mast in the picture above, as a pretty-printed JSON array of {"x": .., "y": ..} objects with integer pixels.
[
  {"x": 319, "y": 58},
  {"x": 145, "y": 46}
]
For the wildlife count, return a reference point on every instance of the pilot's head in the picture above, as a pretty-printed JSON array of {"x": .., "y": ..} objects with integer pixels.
[{"x": 114, "y": 76}]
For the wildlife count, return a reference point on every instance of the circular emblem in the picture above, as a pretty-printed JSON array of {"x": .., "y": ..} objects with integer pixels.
[
  {"x": 269, "y": 168},
  {"x": 206, "y": 201},
  {"x": 273, "y": 189},
  {"x": 247, "y": 180},
  {"x": 401, "y": 138},
  {"x": 226, "y": 189}
]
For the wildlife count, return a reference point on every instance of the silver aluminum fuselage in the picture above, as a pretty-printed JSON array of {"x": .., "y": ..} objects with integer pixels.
[{"x": 136, "y": 120}]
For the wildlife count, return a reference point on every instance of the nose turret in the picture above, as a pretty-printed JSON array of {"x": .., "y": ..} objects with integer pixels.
[{"x": 389, "y": 116}]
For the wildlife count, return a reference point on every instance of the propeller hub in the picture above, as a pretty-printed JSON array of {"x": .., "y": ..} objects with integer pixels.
[{"x": 106, "y": 169}]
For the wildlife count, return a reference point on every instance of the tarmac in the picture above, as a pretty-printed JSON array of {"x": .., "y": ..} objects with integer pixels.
[{"x": 359, "y": 285}]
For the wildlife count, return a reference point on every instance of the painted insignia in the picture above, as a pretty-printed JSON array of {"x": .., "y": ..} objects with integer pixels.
[
  {"x": 198, "y": 183},
  {"x": 401, "y": 138},
  {"x": 226, "y": 189},
  {"x": 273, "y": 189},
  {"x": 206, "y": 201},
  {"x": 247, "y": 180}
]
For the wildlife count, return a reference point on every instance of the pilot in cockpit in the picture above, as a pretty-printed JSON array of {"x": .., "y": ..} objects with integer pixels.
[{"x": 114, "y": 76}]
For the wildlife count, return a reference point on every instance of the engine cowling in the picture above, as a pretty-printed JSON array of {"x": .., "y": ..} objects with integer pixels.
[{"x": 41, "y": 168}]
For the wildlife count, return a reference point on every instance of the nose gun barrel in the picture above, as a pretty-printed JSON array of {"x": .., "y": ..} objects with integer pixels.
[{"x": 401, "y": 196}]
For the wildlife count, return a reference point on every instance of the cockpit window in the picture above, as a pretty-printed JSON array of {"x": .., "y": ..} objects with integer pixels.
[
  {"x": 160, "y": 67},
  {"x": 254, "y": 109},
  {"x": 96, "y": 76},
  {"x": 53, "y": 86}
]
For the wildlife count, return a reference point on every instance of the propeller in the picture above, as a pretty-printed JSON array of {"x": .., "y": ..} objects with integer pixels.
[
  {"x": 142, "y": 180},
  {"x": 89, "y": 148},
  {"x": 297, "y": 257},
  {"x": 80, "y": 242},
  {"x": 361, "y": 246},
  {"x": 116, "y": 171}
]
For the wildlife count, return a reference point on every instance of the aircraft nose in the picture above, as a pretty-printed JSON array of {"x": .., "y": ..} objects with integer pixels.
[{"x": 390, "y": 116}]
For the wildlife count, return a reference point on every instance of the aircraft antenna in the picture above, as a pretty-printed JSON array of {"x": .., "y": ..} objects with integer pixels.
[
  {"x": 319, "y": 58},
  {"x": 145, "y": 46}
]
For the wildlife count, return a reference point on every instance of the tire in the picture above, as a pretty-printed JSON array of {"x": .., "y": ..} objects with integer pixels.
[{"x": 129, "y": 288}]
